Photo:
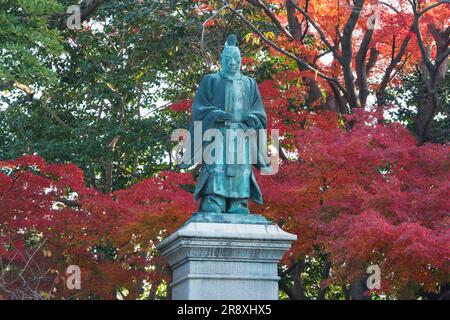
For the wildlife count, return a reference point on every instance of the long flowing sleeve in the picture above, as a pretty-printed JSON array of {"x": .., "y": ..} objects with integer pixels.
[
  {"x": 202, "y": 107},
  {"x": 202, "y": 112}
]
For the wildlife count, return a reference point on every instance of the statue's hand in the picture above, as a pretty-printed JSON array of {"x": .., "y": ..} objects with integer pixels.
[
  {"x": 222, "y": 116},
  {"x": 249, "y": 121}
]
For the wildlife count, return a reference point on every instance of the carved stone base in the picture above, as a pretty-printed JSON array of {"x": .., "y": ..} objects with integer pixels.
[{"x": 225, "y": 261}]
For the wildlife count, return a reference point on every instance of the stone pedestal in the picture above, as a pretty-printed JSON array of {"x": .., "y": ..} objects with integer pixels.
[{"x": 225, "y": 261}]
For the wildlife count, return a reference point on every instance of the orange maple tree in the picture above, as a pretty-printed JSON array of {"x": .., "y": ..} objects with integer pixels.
[{"x": 344, "y": 51}]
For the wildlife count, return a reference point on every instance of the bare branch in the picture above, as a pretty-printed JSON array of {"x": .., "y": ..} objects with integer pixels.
[
  {"x": 441, "y": 59},
  {"x": 425, "y": 56},
  {"x": 373, "y": 56},
  {"x": 204, "y": 25},
  {"x": 54, "y": 114},
  {"x": 389, "y": 6},
  {"x": 281, "y": 50},
  {"x": 438, "y": 134},
  {"x": 360, "y": 60},
  {"x": 346, "y": 59},
  {"x": 387, "y": 74},
  {"x": 15, "y": 84},
  {"x": 294, "y": 24},
  {"x": 32, "y": 255},
  {"x": 70, "y": 203},
  {"x": 271, "y": 15},
  {"x": 434, "y": 5},
  {"x": 318, "y": 29}
]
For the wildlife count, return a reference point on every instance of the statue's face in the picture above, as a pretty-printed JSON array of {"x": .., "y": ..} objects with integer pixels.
[{"x": 231, "y": 60}]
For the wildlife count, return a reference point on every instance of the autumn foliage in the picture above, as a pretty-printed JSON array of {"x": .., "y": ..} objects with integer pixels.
[
  {"x": 356, "y": 188},
  {"x": 365, "y": 195},
  {"x": 50, "y": 220},
  {"x": 359, "y": 191}
]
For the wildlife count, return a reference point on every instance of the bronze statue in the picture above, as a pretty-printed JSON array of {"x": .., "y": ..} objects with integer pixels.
[{"x": 228, "y": 101}]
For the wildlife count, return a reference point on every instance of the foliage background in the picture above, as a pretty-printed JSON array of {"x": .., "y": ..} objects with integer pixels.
[{"x": 363, "y": 114}]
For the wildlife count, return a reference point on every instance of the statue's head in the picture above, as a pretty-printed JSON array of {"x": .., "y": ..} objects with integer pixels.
[{"x": 231, "y": 56}]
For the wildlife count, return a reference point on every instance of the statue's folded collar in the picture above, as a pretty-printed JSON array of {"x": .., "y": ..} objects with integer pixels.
[{"x": 230, "y": 77}]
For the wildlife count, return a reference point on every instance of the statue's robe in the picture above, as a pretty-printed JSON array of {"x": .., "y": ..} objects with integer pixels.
[{"x": 240, "y": 96}]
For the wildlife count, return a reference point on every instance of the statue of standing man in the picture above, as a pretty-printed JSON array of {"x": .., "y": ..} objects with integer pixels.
[{"x": 228, "y": 102}]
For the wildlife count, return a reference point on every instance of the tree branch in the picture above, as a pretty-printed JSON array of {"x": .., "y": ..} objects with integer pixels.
[
  {"x": 318, "y": 29},
  {"x": 54, "y": 114},
  {"x": 373, "y": 56},
  {"x": 87, "y": 8},
  {"x": 271, "y": 15},
  {"x": 436, "y": 135},
  {"x": 387, "y": 74},
  {"x": 294, "y": 25},
  {"x": 426, "y": 58},
  {"x": 360, "y": 60},
  {"x": 434, "y": 5},
  {"x": 389, "y": 6},
  {"x": 346, "y": 45},
  {"x": 281, "y": 50},
  {"x": 441, "y": 59},
  {"x": 15, "y": 84},
  {"x": 70, "y": 203}
]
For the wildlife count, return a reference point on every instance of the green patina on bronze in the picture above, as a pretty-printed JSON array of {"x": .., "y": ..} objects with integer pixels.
[{"x": 229, "y": 100}]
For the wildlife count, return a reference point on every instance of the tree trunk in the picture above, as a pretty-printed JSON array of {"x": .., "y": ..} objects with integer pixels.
[
  {"x": 107, "y": 166},
  {"x": 357, "y": 289},
  {"x": 325, "y": 274},
  {"x": 297, "y": 291}
]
